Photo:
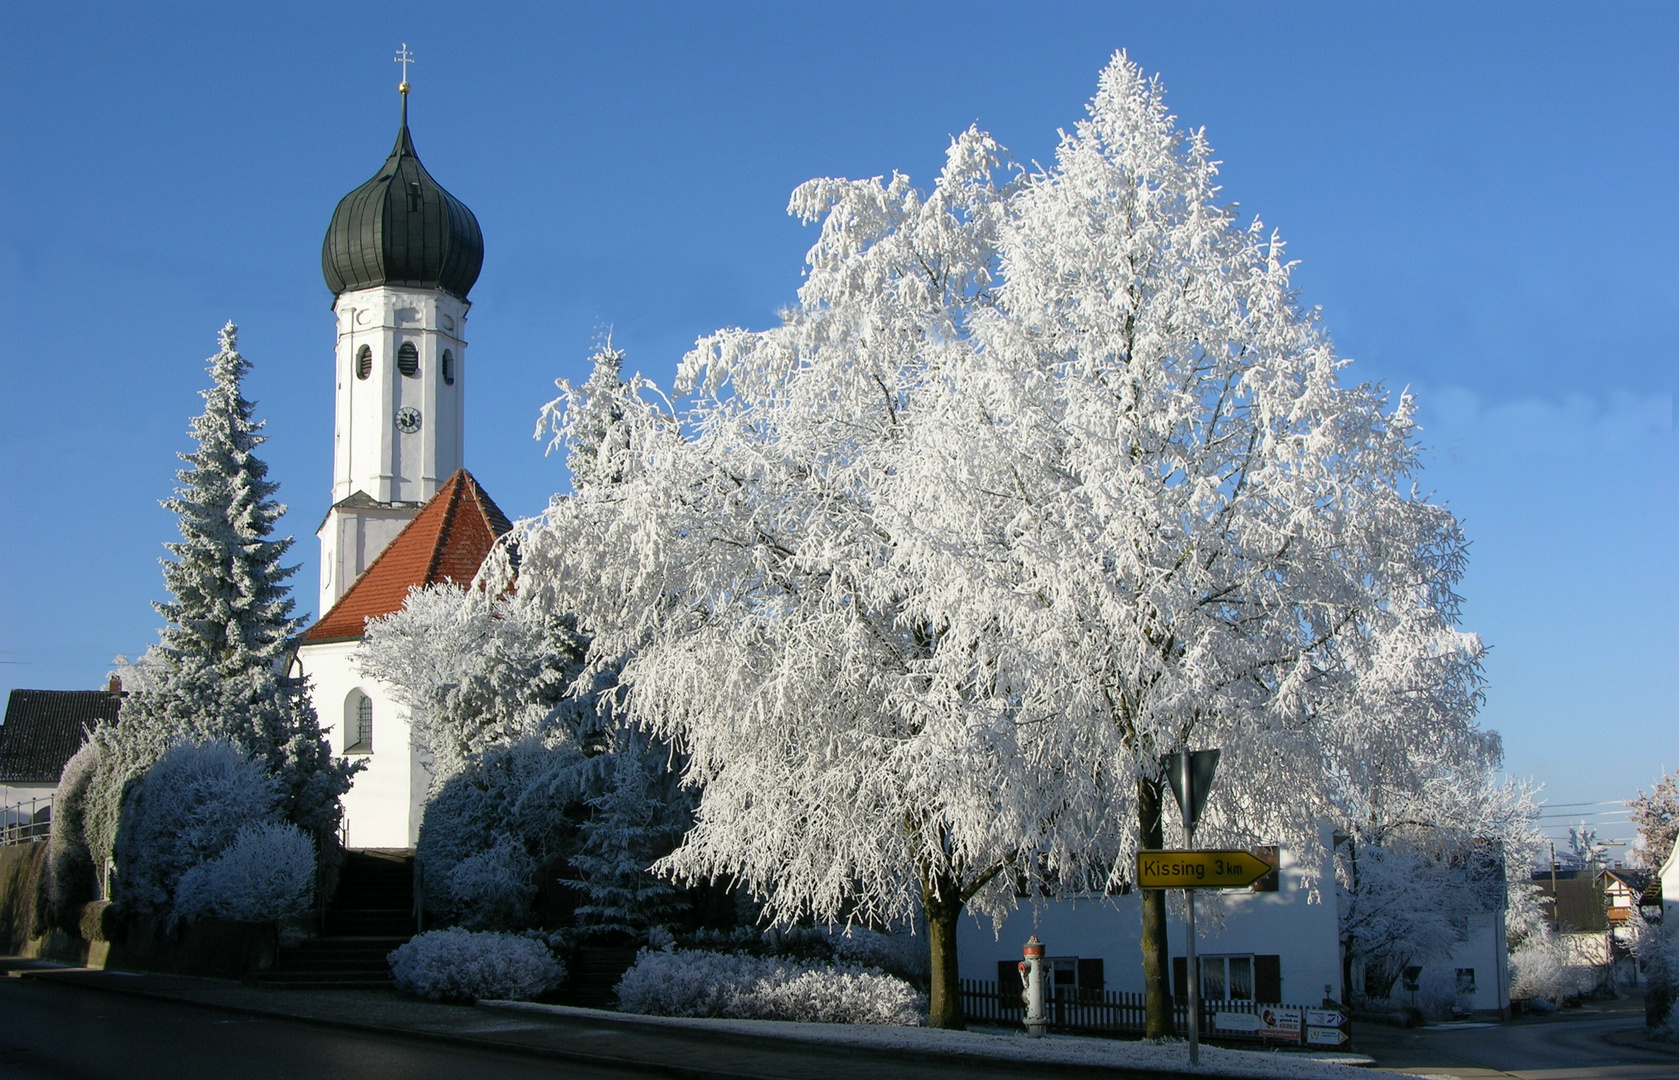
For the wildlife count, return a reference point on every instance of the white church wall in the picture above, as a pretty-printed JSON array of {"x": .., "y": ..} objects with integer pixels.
[
  {"x": 1286, "y": 923},
  {"x": 382, "y": 807}
]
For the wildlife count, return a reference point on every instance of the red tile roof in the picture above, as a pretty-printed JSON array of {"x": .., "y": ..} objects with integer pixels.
[{"x": 447, "y": 541}]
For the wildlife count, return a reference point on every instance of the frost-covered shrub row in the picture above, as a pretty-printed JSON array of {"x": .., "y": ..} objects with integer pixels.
[
  {"x": 265, "y": 875},
  {"x": 692, "y": 983},
  {"x": 895, "y": 954},
  {"x": 463, "y": 965},
  {"x": 183, "y": 811}
]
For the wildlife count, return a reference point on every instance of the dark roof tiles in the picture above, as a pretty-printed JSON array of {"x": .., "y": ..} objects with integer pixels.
[{"x": 44, "y": 728}]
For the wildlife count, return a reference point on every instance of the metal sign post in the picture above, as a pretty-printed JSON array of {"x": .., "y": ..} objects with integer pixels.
[
  {"x": 1193, "y": 970},
  {"x": 1191, "y": 776}
]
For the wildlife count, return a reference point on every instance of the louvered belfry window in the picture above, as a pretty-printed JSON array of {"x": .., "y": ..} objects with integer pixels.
[
  {"x": 408, "y": 359},
  {"x": 364, "y": 362}
]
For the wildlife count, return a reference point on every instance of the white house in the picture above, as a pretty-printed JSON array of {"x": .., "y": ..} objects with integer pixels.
[
  {"x": 1274, "y": 946},
  {"x": 400, "y": 255}
]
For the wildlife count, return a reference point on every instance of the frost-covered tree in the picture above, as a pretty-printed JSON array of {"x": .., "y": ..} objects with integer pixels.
[
  {"x": 478, "y": 670},
  {"x": 1039, "y": 481},
  {"x": 1656, "y": 816},
  {"x": 1422, "y": 859},
  {"x": 219, "y": 670},
  {"x": 507, "y": 811}
]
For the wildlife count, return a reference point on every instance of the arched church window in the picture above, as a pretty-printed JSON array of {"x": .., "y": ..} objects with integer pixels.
[
  {"x": 448, "y": 367},
  {"x": 364, "y": 362},
  {"x": 408, "y": 359},
  {"x": 358, "y": 721}
]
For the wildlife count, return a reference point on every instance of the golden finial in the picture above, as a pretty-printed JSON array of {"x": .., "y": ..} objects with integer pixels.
[{"x": 404, "y": 57}]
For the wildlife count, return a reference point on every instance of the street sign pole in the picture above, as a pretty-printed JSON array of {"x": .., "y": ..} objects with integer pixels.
[{"x": 1193, "y": 972}]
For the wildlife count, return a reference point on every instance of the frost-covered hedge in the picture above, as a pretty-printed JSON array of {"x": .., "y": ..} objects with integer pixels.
[
  {"x": 692, "y": 983},
  {"x": 464, "y": 965},
  {"x": 72, "y": 879},
  {"x": 266, "y": 874}
]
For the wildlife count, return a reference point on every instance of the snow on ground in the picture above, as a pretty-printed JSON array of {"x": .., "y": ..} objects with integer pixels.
[{"x": 1013, "y": 1046}]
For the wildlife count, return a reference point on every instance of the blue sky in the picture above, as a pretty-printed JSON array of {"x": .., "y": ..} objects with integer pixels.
[{"x": 1481, "y": 200}]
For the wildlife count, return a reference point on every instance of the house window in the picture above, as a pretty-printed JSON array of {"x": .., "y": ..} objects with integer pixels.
[
  {"x": 358, "y": 721},
  {"x": 448, "y": 367},
  {"x": 364, "y": 362},
  {"x": 1232, "y": 978},
  {"x": 416, "y": 198},
  {"x": 408, "y": 359},
  {"x": 1226, "y": 978},
  {"x": 1466, "y": 980}
]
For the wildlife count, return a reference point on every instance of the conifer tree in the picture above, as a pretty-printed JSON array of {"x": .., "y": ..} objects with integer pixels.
[
  {"x": 219, "y": 670},
  {"x": 635, "y": 819}
]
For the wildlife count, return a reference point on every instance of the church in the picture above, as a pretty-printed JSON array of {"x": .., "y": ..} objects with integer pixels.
[{"x": 400, "y": 256}]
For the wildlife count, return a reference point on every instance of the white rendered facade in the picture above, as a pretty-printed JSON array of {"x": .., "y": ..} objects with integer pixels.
[
  {"x": 396, "y": 436},
  {"x": 382, "y": 809}
]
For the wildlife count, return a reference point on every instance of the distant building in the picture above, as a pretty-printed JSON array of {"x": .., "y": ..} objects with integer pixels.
[{"x": 42, "y": 730}]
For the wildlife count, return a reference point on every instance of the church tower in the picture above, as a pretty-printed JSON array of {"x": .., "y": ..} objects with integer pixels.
[{"x": 400, "y": 256}]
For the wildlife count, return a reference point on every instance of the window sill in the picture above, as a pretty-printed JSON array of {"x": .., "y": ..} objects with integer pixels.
[{"x": 361, "y": 749}]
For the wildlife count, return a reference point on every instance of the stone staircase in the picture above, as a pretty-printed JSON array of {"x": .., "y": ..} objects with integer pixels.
[
  {"x": 372, "y": 913},
  {"x": 593, "y": 975}
]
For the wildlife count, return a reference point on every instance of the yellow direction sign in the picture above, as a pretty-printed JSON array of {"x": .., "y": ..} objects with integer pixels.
[{"x": 1200, "y": 869}]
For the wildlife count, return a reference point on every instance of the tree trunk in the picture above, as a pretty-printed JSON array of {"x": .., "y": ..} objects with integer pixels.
[
  {"x": 1157, "y": 990},
  {"x": 944, "y": 1007}
]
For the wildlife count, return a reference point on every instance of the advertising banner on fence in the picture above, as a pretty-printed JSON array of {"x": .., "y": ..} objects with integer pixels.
[
  {"x": 1269, "y": 1022},
  {"x": 1277, "y": 1022},
  {"x": 1247, "y": 1023}
]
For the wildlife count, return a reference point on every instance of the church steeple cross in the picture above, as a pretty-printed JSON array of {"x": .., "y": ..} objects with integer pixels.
[{"x": 404, "y": 57}]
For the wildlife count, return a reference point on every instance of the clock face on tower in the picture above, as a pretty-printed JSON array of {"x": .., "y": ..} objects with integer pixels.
[{"x": 408, "y": 420}]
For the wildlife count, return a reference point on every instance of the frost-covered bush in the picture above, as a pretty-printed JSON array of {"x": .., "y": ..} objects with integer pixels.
[
  {"x": 183, "y": 811},
  {"x": 463, "y": 965},
  {"x": 494, "y": 887},
  {"x": 72, "y": 879},
  {"x": 1545, "y": 967},
  {"x": 266, "y": 874},
  {"x": 895, "y": 954},
  {"x": 527, "y": 796},
  {"x": 692, "y": 983}
]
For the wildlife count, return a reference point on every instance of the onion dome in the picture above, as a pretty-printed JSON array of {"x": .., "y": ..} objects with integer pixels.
[{"x": 402, "y": 228}]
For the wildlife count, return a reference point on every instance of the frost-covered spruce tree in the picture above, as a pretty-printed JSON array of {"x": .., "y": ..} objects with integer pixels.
[
  {"x": 219, "y": 670},
  {"x": 1039, "y": 481},
  {"x": 637, "y": 817}
]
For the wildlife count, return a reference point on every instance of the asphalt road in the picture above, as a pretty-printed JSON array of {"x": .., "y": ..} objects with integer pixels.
[
  {"x": 1600, "y": 1042},
  {"x": 69, "y": 1033}
]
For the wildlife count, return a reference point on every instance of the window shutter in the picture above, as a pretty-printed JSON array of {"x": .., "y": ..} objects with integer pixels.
[
  {"x": 1180, "y": 979},
  {"x": 1090, "y": 976},
  {"x": 1268, "y": 979}
]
